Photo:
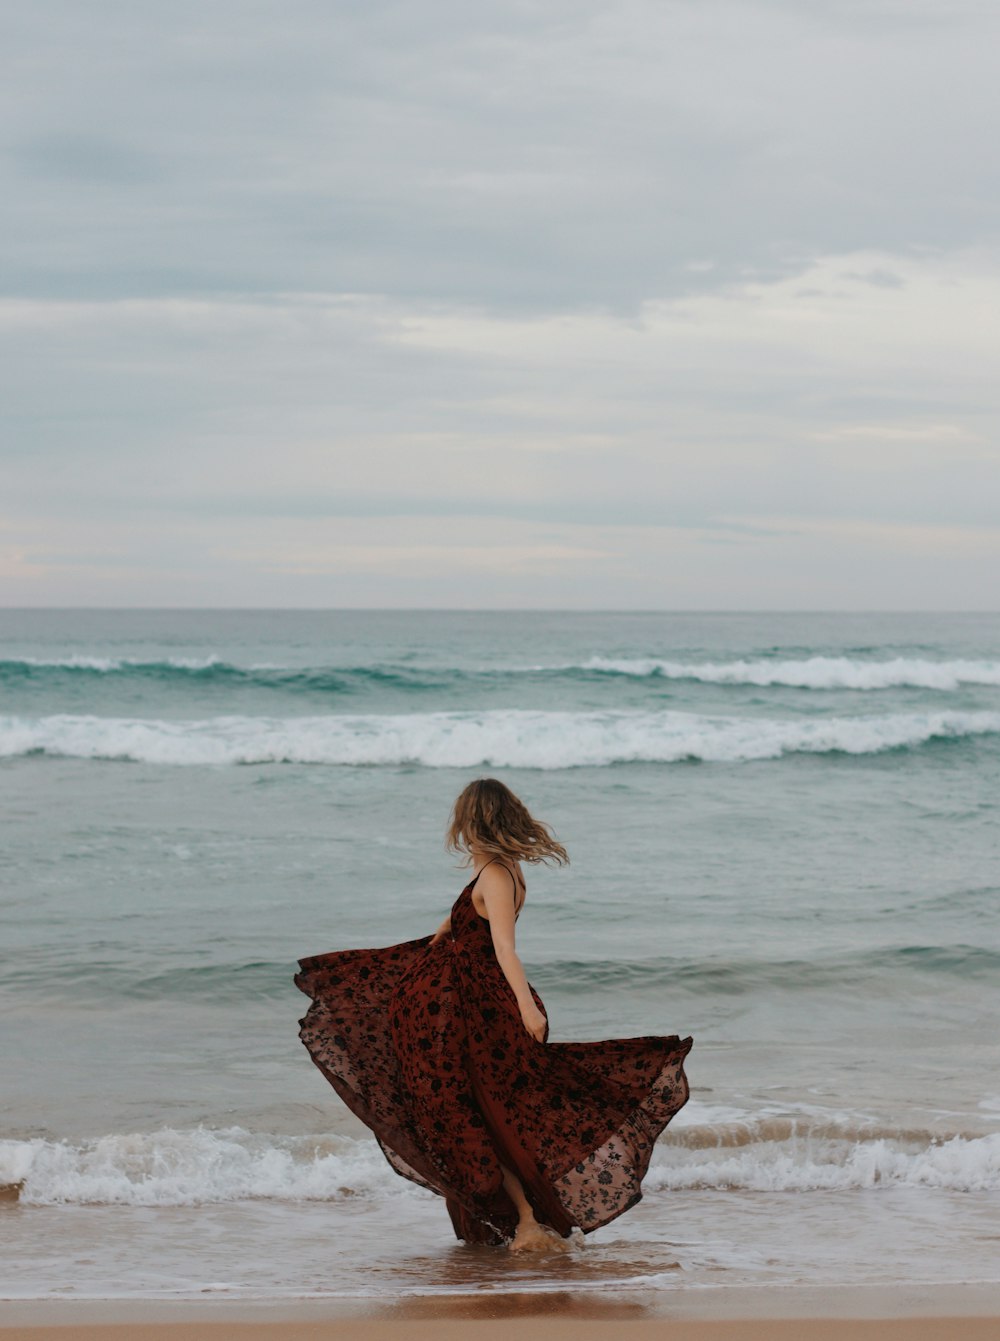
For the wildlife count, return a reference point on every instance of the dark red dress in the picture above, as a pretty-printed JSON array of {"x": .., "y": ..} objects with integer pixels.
[{"x": 425, "y": 1044}]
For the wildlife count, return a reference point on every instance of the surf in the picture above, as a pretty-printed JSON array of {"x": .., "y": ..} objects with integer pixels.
[
  {"x": 202, "y": 1166},
  {"x": 514, "y": 738}
]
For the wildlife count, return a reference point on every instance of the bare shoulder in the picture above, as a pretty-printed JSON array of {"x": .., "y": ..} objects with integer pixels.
[{"x": 498, "y": 878}]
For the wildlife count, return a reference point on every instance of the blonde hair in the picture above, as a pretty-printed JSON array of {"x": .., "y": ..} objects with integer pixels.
[{"x": 488, "y": 815}]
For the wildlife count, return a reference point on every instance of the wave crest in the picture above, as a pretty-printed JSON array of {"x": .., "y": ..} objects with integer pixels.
[
  {"x": 815, "y": 672},
  {"x": 107, "y": 665},
  {"x": 810, "y": 672},
  {"x": 512, "y": 738},
  {"x": 813, "y": 1161},
  {"x": 188, "y": 1168}
]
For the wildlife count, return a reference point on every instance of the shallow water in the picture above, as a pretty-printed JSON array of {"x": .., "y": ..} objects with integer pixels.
[{"x": 784, "y": 842}]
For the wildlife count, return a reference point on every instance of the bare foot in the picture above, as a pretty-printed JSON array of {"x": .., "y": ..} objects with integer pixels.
[{"x": 531, "y": 1237}]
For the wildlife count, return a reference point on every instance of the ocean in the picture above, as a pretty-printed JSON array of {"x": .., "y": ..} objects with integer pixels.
[{"x": 783, "y": 840}]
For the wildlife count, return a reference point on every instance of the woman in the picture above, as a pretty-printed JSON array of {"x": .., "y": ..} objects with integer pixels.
[{"x": 440, "y": 1046}]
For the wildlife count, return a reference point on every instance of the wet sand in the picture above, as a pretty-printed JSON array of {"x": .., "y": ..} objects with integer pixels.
[
  {"x": 891, "y": 1313},
  {"x": 537, "y": 1329}
]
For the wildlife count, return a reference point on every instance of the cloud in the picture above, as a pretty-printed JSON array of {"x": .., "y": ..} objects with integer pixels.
[
  {"x": 603, "y": 283},
  {"x": 765, "y": 562},
  {"x": 424, "y": 559},
  {"x": 889, "y": 433},
  {"x": 76, "y": 159},
  {"x": 881, "y": 278},
  {"x": 520, "y": 157}
]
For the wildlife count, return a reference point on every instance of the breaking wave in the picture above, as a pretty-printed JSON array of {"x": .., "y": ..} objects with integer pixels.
[
  {"x": 815, "y": 672},
  {"x": 187, "y": 1168},
  {"x": 810, "y": 672},
  {"x": 513, "y": 738}
]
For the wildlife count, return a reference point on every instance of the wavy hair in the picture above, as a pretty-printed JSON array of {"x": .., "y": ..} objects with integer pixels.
[{"x": 488, "y": 815}]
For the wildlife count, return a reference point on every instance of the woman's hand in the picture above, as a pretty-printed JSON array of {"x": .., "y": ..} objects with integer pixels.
[
  {"x": 534, "y": 1021},
  {"x": 443, "y": 930}
]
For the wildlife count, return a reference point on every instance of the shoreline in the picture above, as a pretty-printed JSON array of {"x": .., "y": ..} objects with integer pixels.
[
  {"x": 529, "y": 1329},
  {"x": 963, "y": 1312}
]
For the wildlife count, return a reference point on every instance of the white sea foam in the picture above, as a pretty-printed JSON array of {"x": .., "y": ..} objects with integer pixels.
[
  {"x": 506, "y": 738},
  {"x": 107, "y": 665},
  {"x": 806, "y": 1162},
  {"x": 186, "y": 1168},
  {"x": 816, "y": 672},
  {"x": 811, "y": 672}
]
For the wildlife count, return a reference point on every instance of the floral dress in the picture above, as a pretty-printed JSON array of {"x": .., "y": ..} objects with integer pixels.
[{"x": 425, "y": 1044}]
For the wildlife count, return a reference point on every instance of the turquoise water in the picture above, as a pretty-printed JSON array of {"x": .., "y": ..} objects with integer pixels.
[{"x": 783, "y": 832}]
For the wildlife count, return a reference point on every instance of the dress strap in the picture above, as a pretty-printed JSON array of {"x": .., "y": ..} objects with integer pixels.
[{"x": 517, "y": 885}]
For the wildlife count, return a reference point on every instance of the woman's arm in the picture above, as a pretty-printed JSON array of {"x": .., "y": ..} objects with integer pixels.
[{"x": 498, "y": 899}]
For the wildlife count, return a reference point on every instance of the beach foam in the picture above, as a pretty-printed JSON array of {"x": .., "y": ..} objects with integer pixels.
[
  {"x": 106, "y": 665},
  {"x": 814, "y": 672},
  {"x": 810, "y": 672},
  {"x": 186, "y": 1168},
  {"x": 809, "y": 1162},
  {"x": 511, "y": 738}
]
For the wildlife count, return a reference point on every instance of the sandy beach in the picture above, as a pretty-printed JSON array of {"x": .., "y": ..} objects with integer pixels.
[
  {"x": 914, "y": 1313},
  {"x": 537, "y": 1329}
]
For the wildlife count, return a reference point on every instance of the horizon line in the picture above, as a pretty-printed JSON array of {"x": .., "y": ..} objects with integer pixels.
[{"x": 494, "y": 609}]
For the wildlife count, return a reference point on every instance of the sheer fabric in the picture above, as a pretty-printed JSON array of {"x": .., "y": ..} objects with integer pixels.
[{"x": 425, "y": 1044}]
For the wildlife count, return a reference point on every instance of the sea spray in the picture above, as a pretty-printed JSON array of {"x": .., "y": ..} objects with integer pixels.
[
  {"x": 201, "y": 1166},
  {"x": 505, "y": 738}
]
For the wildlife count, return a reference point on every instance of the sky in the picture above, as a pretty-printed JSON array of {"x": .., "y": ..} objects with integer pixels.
[{"x": 647, "y": 304}]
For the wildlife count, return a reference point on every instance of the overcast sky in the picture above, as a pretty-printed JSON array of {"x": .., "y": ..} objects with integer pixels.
[{"x": 550, "y": 303}]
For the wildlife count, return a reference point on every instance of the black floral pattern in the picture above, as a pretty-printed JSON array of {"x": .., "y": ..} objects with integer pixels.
[{"x": 424, "y": 1043}]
